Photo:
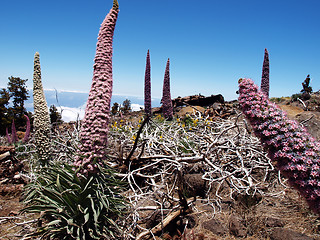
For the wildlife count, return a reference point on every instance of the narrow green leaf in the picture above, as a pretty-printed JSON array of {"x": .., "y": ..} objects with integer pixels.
[
  {"x": 58, "y": 183},
  {"x": 54, "y": 222},
  {"x": 87, "y": 185},
  {"x": 86, "y": 218},
  {"x": 95, "y": 215}
]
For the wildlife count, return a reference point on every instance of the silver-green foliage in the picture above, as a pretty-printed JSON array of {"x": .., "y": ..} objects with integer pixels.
[{"x": 76, "y": 208}]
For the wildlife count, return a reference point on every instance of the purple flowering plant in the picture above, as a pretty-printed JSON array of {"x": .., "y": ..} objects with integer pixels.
[
  {"x": 167, "y": 108},
  {"x": 88, "y": 191},
  {"x": 94, "y": 127},
  {"x": 28, "y": 128},
  {"x": 265, "y": 74},
  {"x": 295, "y": 152},
  {"x": 147, "y": 87},
  {"x": 14, "y": 137},
  {"x": 8, "y": 136}
]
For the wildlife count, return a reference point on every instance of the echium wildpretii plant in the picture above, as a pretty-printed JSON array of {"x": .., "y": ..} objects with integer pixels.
[
  {"x": 295, "y": 151},
  {"x": 82, "y": 200},
  {"x": 14, "y": 137},
  {"x": 41, "y": 122},
  {"x": 147, "y": 87},
  {"x": 8, "y": 136},
  {"x": 166, "y": 95},
  {"x": 75, "y": 208},
  {"x": 265, "y": 74},
  {"x": 94, "y": 126}
]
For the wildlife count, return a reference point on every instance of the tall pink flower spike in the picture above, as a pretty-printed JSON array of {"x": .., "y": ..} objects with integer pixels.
[
  {"x": 147, "y": 87},
  {"x": 265, "y": 74},
  {"x": 94, "y": 126},
  {"x": 27, "y": 134},
  {"x": 8, "y": 136},
  {"x": 14, "y": 137},
  {"x": 167, "y": 108},
  {"x": 290, "y": 146}
]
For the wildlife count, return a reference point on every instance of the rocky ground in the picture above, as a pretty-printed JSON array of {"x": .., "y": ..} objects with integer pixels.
[{"x": 207, "y": 210}]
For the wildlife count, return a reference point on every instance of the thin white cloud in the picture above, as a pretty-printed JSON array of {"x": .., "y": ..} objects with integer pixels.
[
  {"x": 67, "y": 91},
  {"x": 126, "y": 95}
]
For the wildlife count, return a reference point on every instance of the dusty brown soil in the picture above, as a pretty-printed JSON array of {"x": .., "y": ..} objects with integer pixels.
[
  {"x": 10, "y": 216},
  {"x": 309, "y": 119},
  {"x": 10, "y": 204},
  {"x": 291, "y": 111}
]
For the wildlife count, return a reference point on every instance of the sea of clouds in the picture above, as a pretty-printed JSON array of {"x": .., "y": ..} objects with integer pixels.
[
  {"x": 72, "y": 114},
  {"x": 72, "y": 104}
]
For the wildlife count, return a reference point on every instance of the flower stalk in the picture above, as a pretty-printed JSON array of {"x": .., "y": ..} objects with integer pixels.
[
  {"x": 41, "y": 122},
  {"x": 147, "y": 87},
  {"x": 94, "y": 127},
  {"x": 265, "y": 74},
  {"x": 28, "y": 128},
  {"x": 167, "y": 108},
  {"x": 14, "y": 137},
  {"x": 295, "y": 152},
  {"x": 8, "y": 136}
]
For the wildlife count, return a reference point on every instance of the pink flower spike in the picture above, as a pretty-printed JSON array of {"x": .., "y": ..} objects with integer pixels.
[
  {"x": 290, "y": 145},
  {"x": 94, "y": 127},
  {"x": 27, "y": 134},
  {"x": 166, "y": 95}
]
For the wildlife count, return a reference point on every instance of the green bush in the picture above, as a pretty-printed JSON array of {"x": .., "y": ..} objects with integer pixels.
[
  {"x": 276, "y": 99},
  {"x": 187, "y": 120},
  {"x": 75, "y": 208},
  {"x": 295, "y": 97}
]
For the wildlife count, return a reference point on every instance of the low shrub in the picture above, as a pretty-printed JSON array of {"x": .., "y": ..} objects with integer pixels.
[{"x": 73, "y": 207}]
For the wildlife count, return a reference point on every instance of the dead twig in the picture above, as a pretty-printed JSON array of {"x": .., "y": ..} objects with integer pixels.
[{"x": 136, "y": 140}]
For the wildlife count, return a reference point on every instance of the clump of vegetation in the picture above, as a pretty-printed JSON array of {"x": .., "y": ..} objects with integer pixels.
[
  {"x": 296, "y": 96},
  {"x": 73, "y": 207},
  {"x": 276, "y": 99},
  {"x": 15, "y": 94},
  {"x": 55, "y": 116},
  {"x": 4, "y": 101},
  {"x": 305, "y": 93},
  {"x": 307, "y": 89},
  {"x": 18, "y": 92},
  {"x": 115, "y": 108},
  {"x": 187, "y": 120},
  {"x": 126, "y": 106}
]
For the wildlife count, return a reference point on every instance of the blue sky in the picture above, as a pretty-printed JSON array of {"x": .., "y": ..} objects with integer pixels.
[{"x": 211, "y": 44}]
